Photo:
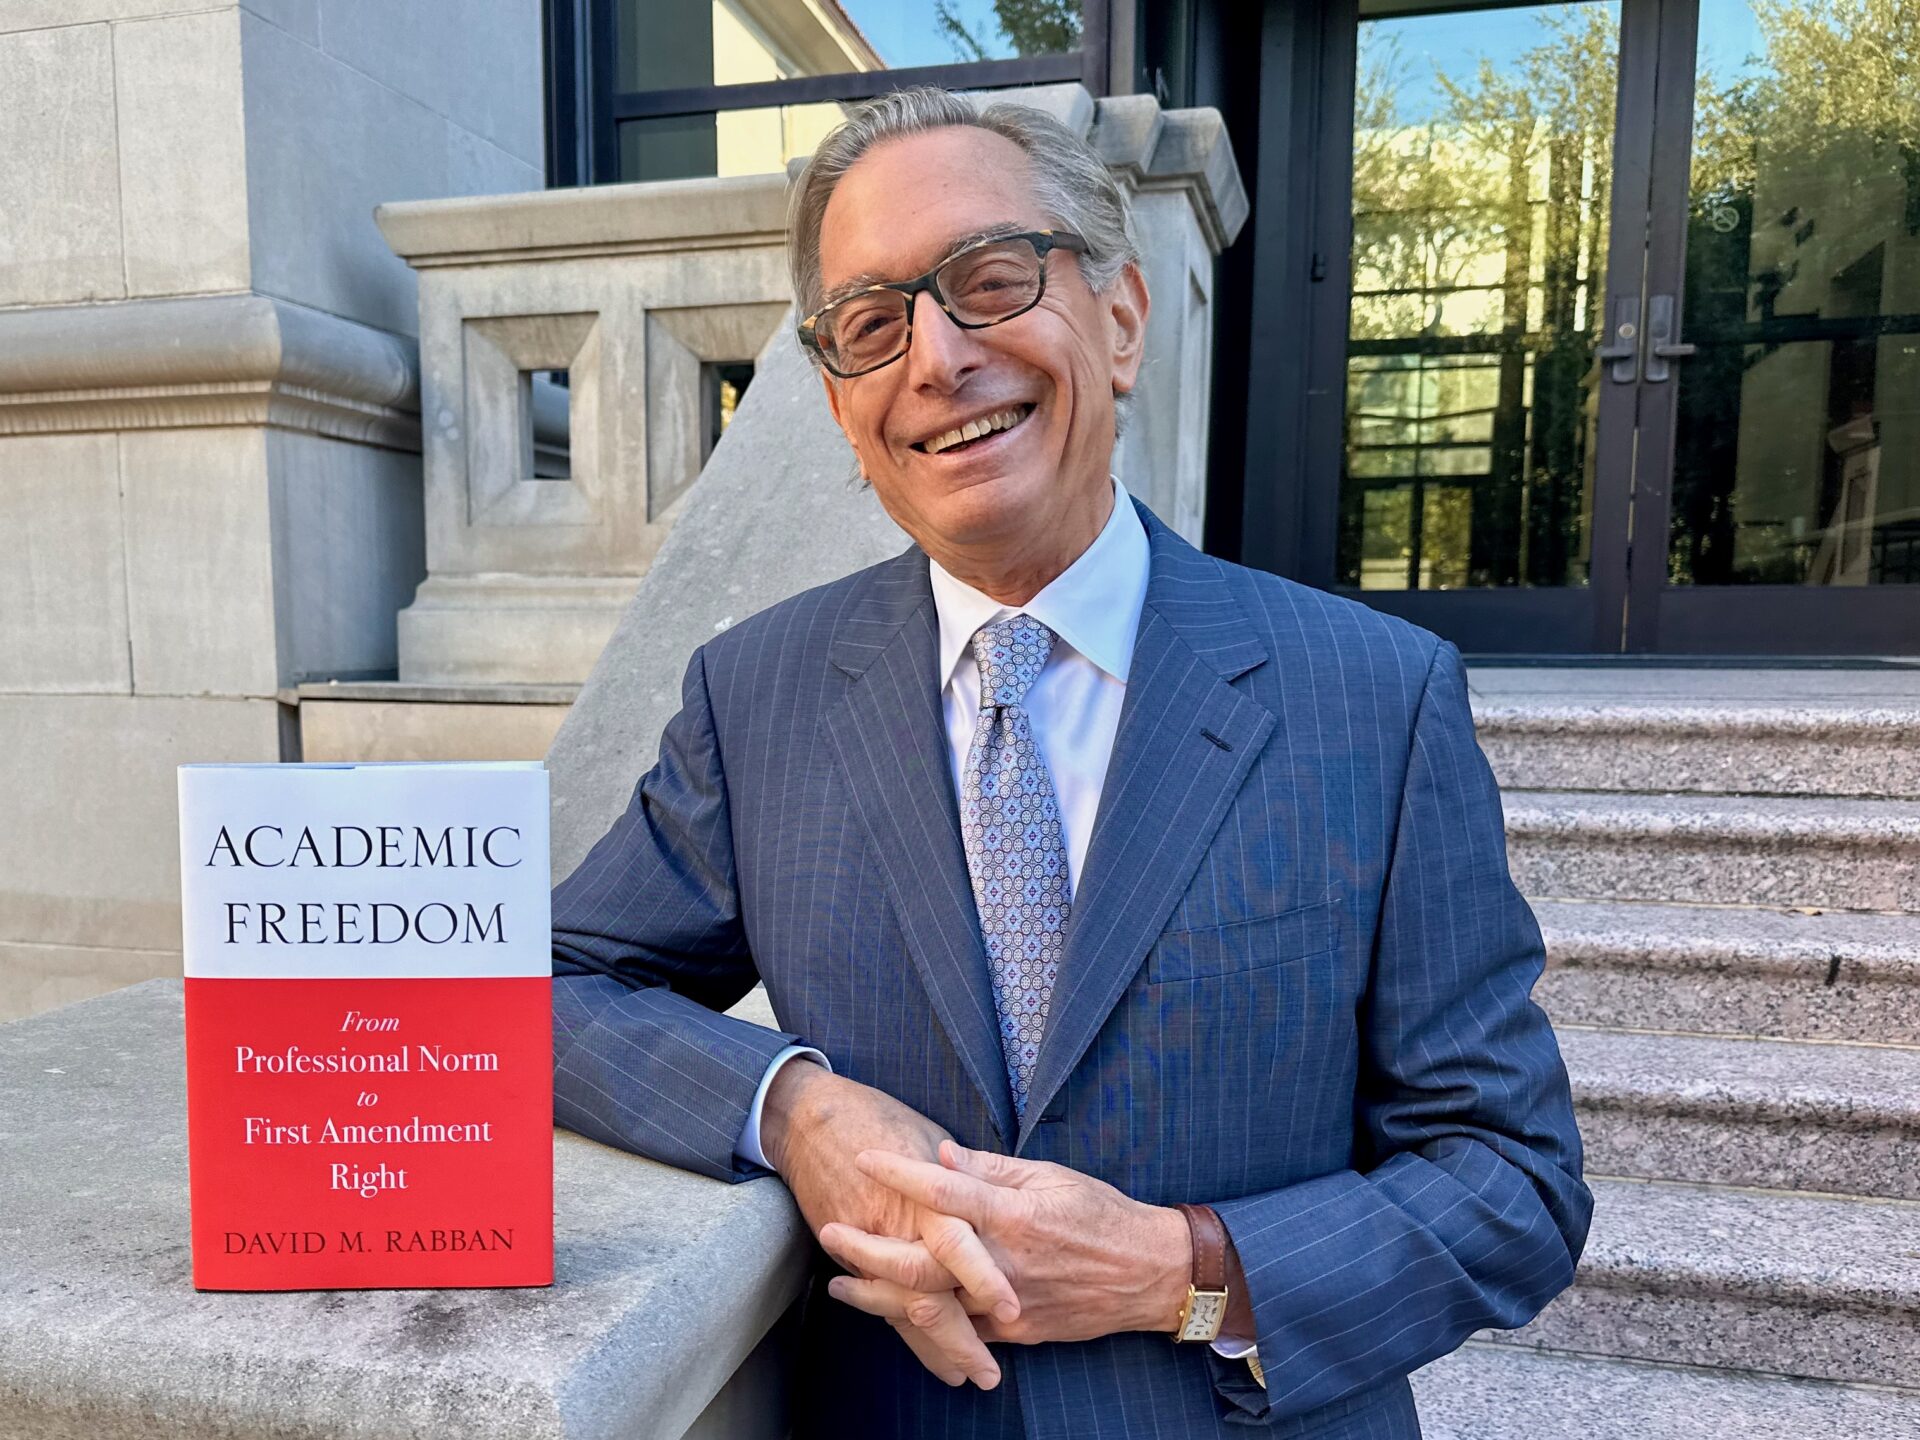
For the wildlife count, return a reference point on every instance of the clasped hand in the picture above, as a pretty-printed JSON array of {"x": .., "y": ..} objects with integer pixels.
[
  {"x": 1078, "y": 1258},
  {"x": 957, "y": 1247}
]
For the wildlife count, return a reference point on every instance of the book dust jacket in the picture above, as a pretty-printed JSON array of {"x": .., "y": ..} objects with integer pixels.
[{"x": 368, "y": 1011}]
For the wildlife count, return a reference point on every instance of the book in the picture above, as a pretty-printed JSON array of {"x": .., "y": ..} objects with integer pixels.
[{"x": 368, "y": 955}]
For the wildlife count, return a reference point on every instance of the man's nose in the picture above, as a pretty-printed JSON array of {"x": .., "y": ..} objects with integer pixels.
[{"x": 942, "y": 353}]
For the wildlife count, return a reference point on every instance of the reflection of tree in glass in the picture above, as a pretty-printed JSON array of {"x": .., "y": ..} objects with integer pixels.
[
  {"x": 1030, "y": 27},
  {"x": 1803, "y": 161},
  {"x": 1478, "y": 261}
]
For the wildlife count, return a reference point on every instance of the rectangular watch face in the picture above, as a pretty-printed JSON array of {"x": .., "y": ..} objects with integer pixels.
[{"x": 1205, "y": 1315}]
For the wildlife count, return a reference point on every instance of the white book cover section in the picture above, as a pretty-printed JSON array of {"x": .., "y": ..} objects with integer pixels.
[{"x": 369, "y": 1049}]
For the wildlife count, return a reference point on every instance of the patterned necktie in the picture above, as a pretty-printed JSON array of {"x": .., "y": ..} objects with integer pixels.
[{"x": 1016, "y": 853}]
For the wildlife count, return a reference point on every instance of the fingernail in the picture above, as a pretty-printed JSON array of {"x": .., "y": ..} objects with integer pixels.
[
  {"x": 1006, "y": 1312},
  {"x": 837, "y": 1289}
]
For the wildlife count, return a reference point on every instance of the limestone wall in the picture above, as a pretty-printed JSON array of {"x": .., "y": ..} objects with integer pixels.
[{"x": 209, "y": 474}]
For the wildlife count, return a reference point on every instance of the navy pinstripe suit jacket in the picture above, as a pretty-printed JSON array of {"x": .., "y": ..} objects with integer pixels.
[{"x": 1295, "y": 986}]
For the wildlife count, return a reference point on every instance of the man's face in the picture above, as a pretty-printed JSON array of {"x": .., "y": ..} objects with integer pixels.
[{"x": 900, "y": 210}]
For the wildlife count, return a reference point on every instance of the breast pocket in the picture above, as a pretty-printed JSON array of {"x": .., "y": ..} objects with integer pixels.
[{"x": 1290, "y": 936}]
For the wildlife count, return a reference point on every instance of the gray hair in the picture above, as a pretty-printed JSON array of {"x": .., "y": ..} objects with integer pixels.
[{"x": 1072, "y": 183}]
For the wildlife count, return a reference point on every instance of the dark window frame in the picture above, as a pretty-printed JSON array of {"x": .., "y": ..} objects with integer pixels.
[{"x": 584, "y": 110}]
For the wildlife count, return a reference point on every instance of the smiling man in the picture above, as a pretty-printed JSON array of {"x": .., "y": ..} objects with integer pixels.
[{"x": 1157, "y": 1052}]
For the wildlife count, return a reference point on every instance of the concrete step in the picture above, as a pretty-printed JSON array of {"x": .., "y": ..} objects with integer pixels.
[
  {"x": 1778, "y": 1114},
  {"x": 1811, "y": 1286},
  {"x": 1716, "y": 850},
  {"x": 1498, "y": 1392},
  {"x": 1713, "y": 970},
  {"x": 1735, "y": 748}
]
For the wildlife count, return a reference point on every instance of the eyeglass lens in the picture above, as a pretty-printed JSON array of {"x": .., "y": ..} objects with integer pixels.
[{"x": 981, "y": 287}]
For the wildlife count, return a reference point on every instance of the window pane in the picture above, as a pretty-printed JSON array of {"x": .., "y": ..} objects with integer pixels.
[
  {"x": 1797, "y": 457},
  {"x": 1482, "y": 164},
  {"x": 671, "y": 44},
  {"x": 732, "y": 142}
]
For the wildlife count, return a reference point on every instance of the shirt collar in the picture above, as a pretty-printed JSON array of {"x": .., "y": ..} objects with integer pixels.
[{"x": 1093, "y": 605}]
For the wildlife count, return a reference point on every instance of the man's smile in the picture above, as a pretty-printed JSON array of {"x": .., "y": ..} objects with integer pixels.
[{"x": 977, "y": 432}]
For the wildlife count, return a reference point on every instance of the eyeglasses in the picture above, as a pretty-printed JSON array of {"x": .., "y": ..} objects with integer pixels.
[{"x": 986, "y": 283}]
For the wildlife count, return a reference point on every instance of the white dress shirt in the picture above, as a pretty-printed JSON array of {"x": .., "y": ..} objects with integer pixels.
[{"x": 1093, "y": 606}]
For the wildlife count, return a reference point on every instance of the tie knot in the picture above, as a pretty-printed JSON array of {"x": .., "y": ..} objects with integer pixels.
[{"x": 1011, "y": 652}]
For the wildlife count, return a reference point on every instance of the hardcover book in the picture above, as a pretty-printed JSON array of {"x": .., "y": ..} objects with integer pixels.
[{"x": 368, "y": 1013}]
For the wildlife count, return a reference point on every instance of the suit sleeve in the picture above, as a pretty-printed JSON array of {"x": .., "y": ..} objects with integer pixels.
[
  {"x": 648, "y": 948},
  {"x": 1466, "y": 1208}
]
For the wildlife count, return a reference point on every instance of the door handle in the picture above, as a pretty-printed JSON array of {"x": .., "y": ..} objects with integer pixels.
[
  {"x": 1622, "y": 354},
  {"x": 1661, "y": 346}
]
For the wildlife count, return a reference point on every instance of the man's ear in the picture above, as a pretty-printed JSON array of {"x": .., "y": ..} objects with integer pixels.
[{"x": 1127, "y": 304}]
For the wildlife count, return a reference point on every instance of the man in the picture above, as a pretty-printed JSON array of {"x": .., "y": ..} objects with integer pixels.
[{"x": 1149, "y": 880}]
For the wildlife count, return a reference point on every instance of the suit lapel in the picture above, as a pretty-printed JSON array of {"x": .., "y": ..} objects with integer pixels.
[
  {"x": 1167, "y": 789},
  {"x": 890, "y": 739}
]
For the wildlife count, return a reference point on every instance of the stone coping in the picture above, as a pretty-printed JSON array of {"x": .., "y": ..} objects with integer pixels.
[
  {"x": 665, "y": 1281},
  {"x": 592, "y": 220},
  {"x": 449, "y": 694}
]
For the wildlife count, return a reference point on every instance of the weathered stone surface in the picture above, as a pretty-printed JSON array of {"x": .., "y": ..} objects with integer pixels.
[
  {"x": 1486, "y": 1392},
  {"x": 1781, "y": 1114},
  {"x": 59, "y": 168},
  {"x": 206, "y": 360},
  {"x": 1702, "y": 849},
  {"x": 424, "y": 730},
  {"x": 89, "y": 854},
  {"x": 39, "y": 977},
  {"x": 1803, "y": 748},
  {"x": 664, "y": 1282},
  {"x": 46, "y": 14},
  {"x": 326, "y": 143},
  {"x": 200, "y": 562},
  {"x": 1732, "y": 970},
  {"x": 768, "y": 519},
  {"x": 1791, "y": 1284},
  {"x": 183, "y": 164},
  {"x": 349, "y": 546},
  {"x": 63, "y": 587},
  {"x": 477, "y": 62}
]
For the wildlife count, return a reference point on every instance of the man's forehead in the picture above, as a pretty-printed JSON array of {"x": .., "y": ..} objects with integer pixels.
[{"x": 909, "y": 203}]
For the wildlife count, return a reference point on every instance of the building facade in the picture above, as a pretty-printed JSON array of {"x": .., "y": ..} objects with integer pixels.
[{"x": 1573, "y": 328}]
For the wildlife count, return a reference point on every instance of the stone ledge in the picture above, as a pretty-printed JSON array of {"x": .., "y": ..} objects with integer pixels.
[
  {"x": 665, "y": 1282},
  {"x": 206, "y": 360},
  {"x": 638, "y": 219}
]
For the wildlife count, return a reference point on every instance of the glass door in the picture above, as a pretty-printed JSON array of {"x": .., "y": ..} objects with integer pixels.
[
  {"x": 1779, "y": 484},
  {"x": 1486, "y": 463}
]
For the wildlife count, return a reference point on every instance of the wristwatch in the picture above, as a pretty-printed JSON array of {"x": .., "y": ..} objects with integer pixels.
[{"x": 1206, "y": 1308}]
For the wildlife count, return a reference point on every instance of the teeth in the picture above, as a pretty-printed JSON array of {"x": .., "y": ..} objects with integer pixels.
[{"x": 973, "y": 430}]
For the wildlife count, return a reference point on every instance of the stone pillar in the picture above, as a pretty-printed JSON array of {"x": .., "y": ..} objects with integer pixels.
[{"x": 209, "y": 483}]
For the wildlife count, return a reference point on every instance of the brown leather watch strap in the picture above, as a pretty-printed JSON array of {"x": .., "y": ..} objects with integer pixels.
[{"x": 1209, "y": 1246}]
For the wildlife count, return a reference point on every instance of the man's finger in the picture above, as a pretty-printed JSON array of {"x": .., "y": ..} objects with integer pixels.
[
  {"x": 928, "y": 1353},
  {"x": 1008, "y": 1171},
  {"x": 938, "y": 1317},
  {"x": 961, "y": 1252},
  {"x": 904, "y": 1262},
  {"x": 933, "y": 1186}
]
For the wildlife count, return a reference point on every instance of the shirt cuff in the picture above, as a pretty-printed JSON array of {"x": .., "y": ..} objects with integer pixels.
[
  {"x": 748, "y": 1146},
  {"x": 1232, "y": 1349}
]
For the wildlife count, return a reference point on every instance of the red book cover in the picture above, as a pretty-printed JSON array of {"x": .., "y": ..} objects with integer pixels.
[{"x": 368, "y": 1010}]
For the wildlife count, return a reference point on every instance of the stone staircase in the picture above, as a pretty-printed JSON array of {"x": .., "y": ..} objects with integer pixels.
[{"x": 1726, "y": 868}]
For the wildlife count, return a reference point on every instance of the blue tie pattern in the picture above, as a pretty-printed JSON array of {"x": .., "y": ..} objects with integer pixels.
[{"x": 1016, "y": 852}]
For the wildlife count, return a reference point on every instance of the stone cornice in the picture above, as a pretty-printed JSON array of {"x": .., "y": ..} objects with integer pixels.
[
  {"x": 659, "y": 215},
  {"x": 206, "y": 360}
]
